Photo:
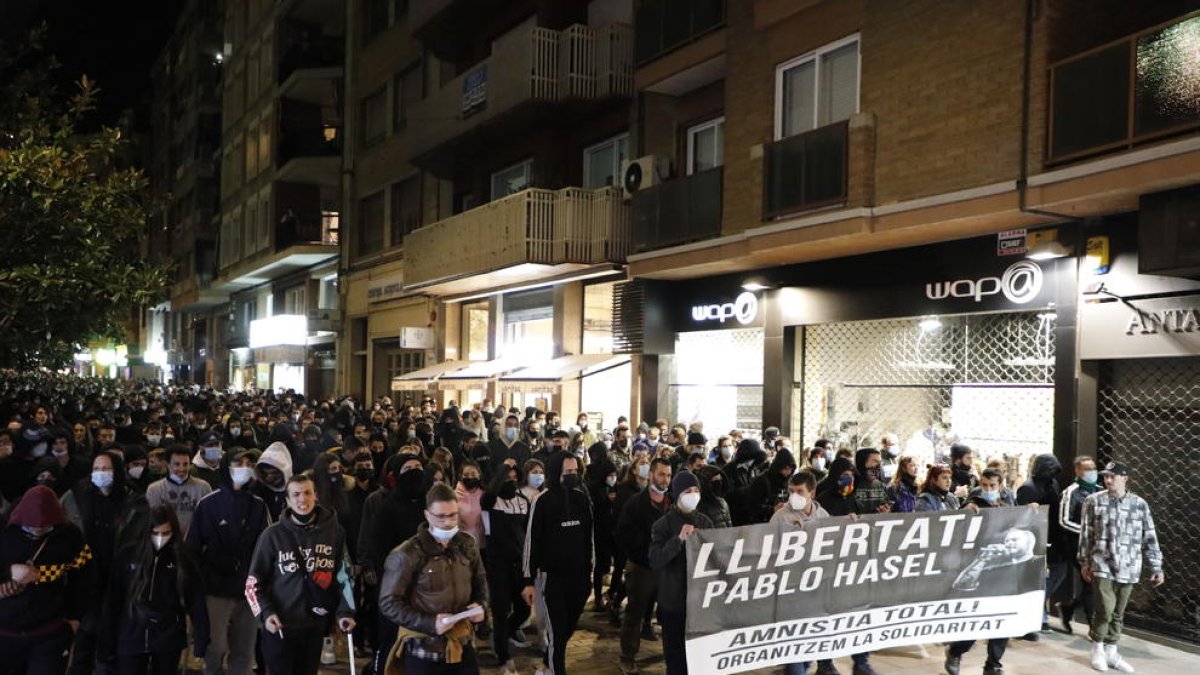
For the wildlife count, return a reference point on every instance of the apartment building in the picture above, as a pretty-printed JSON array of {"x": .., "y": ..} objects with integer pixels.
[
  {"x": 952, "y": 221},
  {"x": 485, "y": 230},
  {"x": 281, "y": 157},
  {"x": 185, "y": 119}
]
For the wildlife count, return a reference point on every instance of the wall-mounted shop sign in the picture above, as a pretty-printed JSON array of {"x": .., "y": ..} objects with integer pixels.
[
  {"x": 744, "y": 309},
  {"x": 1011, "y": 242},
  {"x": 1140, "y": 328},
  {"x": 385, "y": 288},
  {"x": 1020, "y": 283}
]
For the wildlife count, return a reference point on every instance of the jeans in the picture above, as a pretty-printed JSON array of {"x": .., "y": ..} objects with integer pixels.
[
  {"x": 1109, "y": 617},
  {"x": 232, "y": 631},
  {"x": 642, "y": 587}
]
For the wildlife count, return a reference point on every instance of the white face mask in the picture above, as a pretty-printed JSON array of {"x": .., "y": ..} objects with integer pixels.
[
  {"x": 102, "y": 479},
  {"x": 644, "y": 471},
  {"x": 726, "y": 451},
  {"x": 889, "y": 470},
  {"x": 160, "y": 540},
  {"x": 442, "y": 534},
  {"x": 818, "y": 463},
  {"x": 153, "y": 439},
  {"x": 235, "y": 432},
  {"x": 688, "y": 501},
  {"x": 797, "y": 502},
  {"x": 610, "y": 481},
  {"x": 135, "y": 472},
  {"x": 241, "y": 475}
]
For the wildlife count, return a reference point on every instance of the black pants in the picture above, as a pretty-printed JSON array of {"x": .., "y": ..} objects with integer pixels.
[
  {"x": 509, "y": 611},
  {"x": 384, "y": 642},
  {"x": 616, "y": 583},
  {"x": 297, "y": 653},
  {"x": 158, "y": 662},
  {"x": 416, "y": 666},
  {"x": 44, "y": 654},
  {"x": 83, "y": 653},
  {"x": 995, "y": 650},
  {"x": 369, "y": 611},
  {"x": 563, "y": 597},
  {"x": 604, "y": 560},
  {"x": 1076, "y": 593},
  {"x": 673, "y": 639}
]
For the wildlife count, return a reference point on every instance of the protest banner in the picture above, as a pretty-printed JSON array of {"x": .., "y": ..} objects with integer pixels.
[{"x": 766, "y": 595}]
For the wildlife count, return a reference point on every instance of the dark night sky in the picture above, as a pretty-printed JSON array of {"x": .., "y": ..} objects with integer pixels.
[{"x": 114, "y": 42}]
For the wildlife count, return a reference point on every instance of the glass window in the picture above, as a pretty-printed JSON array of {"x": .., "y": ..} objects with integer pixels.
[
  {"x": 602, "y": 162},
  {"x": 409, "y": 88},
  {"x": 475, "y": 321},
  {"x": 374, "y": 117},
  {"x": 597, "y": 318},
  {"x": 511, "y": 180},
  {"x": 528, "y": 325},
  {"x": 818, "y": 88},
  {"x": 706, "y": 145},
  {"x": 370, "y": 225},
  {"x": 294, "y": 300},
  {"x": 406, "y": 208}
]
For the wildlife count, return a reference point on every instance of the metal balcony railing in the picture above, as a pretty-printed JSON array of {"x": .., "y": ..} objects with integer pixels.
[
  {"x": 678, "y": 211},
  {"x": 806, "y": 171},
  {"x": 547, "y": 227},
  {"x": 1114, "y": 97},
  {"x": 666, "y": 25}
]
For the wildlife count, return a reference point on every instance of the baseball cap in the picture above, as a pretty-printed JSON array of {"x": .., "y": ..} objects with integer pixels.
[{"x": 1116, "y": 469}]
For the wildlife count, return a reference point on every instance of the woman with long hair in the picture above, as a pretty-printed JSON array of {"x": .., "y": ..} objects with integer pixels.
[
  {"x": 903, "y": 489},
  {"x": 155, "y": 587},
  {"x": 936, "y": 494}
]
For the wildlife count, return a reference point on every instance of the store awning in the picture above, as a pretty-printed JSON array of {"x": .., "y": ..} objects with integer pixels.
[
  {"x": 479, "y": 374},
  {"x": 424, "y": 378},
  {"x": 548, "y": 377}
]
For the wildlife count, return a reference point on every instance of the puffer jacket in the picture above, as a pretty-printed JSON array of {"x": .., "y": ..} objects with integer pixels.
[{"x": 422, "y": 579}]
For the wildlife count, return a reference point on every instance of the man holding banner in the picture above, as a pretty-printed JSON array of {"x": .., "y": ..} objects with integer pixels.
[
  {"x": 766, "y": 595},
  {"x": 669, "y": 563}
]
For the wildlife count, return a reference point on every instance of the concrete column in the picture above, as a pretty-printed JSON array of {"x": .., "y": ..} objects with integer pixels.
[{"x": 779, "y": 352}]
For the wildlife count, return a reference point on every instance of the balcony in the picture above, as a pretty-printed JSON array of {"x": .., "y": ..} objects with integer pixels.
[
  {"x": 312, "y": 156},
  {"x": 806, "y": 171},
  {"x": 1138, "y": 89},
  {"x": 324, "y": 53},
  {"x": 665, "y": 25},
  {"x": 533, "y": 234},
  {"x": 300, "y": 240},
  {"x": 538, "y": 66},
  {"x": 678, "y": 211}
]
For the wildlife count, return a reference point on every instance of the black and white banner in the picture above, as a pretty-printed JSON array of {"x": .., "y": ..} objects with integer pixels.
[{"x": 766, "y": 595}]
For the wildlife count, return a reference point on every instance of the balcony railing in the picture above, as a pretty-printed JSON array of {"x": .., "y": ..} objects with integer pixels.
[
  {"x": 322, "y": 142},
  {"x": 546, "y": 227},
  {"x": 678, "y": 211},
  {"x": 325, "y": 52},
  {"x": 806, "y": 171},
  {"x": 534, "y": 65},
  {"x": 1137, "y": 89},
  {"x": 312, "y": 229},
  {"x": 666, "y": 25}
]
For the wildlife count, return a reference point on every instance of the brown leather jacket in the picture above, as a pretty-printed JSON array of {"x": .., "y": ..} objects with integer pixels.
[{"x": 422, "y": 579}]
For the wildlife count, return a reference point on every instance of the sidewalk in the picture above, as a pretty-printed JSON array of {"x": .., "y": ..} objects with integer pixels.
[{"x": 594, "y": 650}]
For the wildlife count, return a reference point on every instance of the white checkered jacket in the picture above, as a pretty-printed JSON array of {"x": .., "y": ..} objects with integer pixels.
[{"x": 1116, "y": 532}]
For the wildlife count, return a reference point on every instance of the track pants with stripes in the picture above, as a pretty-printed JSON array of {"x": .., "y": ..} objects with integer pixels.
[{"x": 560, "y": 599}]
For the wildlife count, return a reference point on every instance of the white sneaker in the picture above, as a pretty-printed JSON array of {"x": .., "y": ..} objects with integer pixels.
[
  {"x": 509, "y": 668},
  {"x": 328, "y": 658},
  {"x": 1099, "y": 658},
  {"x": 1115, "y": 661},
  {"x": 543, "y": 670}
]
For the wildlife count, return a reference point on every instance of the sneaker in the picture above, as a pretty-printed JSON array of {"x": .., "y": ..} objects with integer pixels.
[
  {"x": 328, "y": 658},
  {"x": 993, "y": 670},
  {"x": 952, "y": 663},
  {"x": 864, "y": 669},
  {"x": 648, "y": 632},
  {"x": 1099, "y": 658},
  {"x": 543, "y": 670},
  {"x": 599, "y": 606},
  {"x": 518, "y": 640},
  {"x": 509, "y": 668},
  {"x": 628, "y": 667},
  {"x": 1031, "y": 637},
  {"x": 1065, "y": 613},
  {"x": 827, "y": 669},
  {"x": 1115, "y": 661}
]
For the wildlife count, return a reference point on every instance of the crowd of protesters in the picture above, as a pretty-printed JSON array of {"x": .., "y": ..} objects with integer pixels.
[{"x": 141, "y": 519}]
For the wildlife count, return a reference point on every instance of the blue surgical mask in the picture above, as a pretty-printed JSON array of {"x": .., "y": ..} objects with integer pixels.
[
  {"x": 510, "y": 433},
  {"x": 102, "y": 479},
  {"x": 536, "y": 480},
  {"x": 1090, "y": 477},
  {"x": 990, "y": 496}
]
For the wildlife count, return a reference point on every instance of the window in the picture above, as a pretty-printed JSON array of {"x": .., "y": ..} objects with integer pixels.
[
  {"x": 406, "y": 208},
  {"x": 374, "y": 117},
  {"x": 251, "y": 149},
  {"x": 264, "y": 142},
  {"x": 408, "y": 88},
  {"x": 602, "y": 162},
  {"x": 706, "y": 146},
  {"x": 476, "y": 323},
  {"x": 327, "y": 297},
  {"x": 294, "y": 300},
  {"x": 597, "y": 318},
  {"x": 370, "y": 225},
  {"x": 330, "y": 224},
  {"x": 817, "y": 89},
  {"x": 375, "y": 18},
  {"x": 511, "y": 180}
]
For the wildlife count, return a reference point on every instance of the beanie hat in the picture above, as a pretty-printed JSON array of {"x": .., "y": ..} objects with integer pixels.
[
  {"x": 682, "y": 481},
  {"x": 38, "y": 508},
  {"x": 958, "y": 450},
  {"x": 696, "y": 438}
]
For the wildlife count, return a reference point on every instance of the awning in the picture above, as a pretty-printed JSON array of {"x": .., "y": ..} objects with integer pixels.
[
  {"x": 423, "y": 378},
  {"x": 549, "y": 376},
  {"x": 479, "y": 374}
]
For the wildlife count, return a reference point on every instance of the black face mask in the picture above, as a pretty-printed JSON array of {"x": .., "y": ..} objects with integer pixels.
[
  {"x": 470, "y": 483},
  {"x": 508, "y": 489},
  {"x": 570, "y": 481},
  {"x": 305, "y": 519},
  {"x": 364, "y": 474},
  {"x": 718, "y": 488},
  {"x": 409, "y": 482}
]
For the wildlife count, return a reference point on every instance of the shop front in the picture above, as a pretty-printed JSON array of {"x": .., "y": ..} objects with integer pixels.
[
  {"x": 942, "y": 344},
  {"x": 1140, "y": 382}
]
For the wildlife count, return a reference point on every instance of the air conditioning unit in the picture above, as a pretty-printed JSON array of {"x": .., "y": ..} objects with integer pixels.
[{"x": 643, "y": 172}]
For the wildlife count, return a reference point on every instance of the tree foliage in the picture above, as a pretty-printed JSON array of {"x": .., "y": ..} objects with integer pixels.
[{"x": 72, "y": 218}]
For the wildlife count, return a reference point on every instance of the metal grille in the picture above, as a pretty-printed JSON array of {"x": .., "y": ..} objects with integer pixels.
[
  {"x": 985, "y": 380},
  {"x": 629, "y": 323},
  {"x": 1148, "y": 418}
]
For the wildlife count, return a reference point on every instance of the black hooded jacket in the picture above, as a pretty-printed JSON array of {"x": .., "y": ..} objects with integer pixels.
[
  {"x": 747, "y": 464},
  {"x": 1042, "y": 488},
  {"x": 225, "y": 527},
  {"x": 869, "y": 491},
  {"x": 508, "y": 513},
  {"x": 604, "y": 497},
  {"x": 829, "y": 494},
  {"x": 559, "y": 538},
  {"x": 712, "y": 500},
  {"x": 108, "y": 521},
  {"x": 770, "y": 488},
  {"x": 392, "y": 514}
]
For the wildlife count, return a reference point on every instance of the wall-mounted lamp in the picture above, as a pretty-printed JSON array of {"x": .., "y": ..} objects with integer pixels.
[
  {"x": 757, "y": 283},
  {"x": 930, "y": 324},
  {"x": 1044, "y": 245}
]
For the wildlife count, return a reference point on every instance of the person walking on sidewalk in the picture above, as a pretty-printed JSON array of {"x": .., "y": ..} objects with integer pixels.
[
  {"x": 1117, "y": 531},
  {"x": 1077, "y": 593},
  {"x": 669, "y": 562},
  {"x": 297, "y": 583}
]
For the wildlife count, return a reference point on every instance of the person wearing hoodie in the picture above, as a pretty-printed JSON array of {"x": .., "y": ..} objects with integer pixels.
[
  {"x": 747, "y": 464},
  {"x": 602, "y": 486},
  {"x": 836, "y": 492},
  {"x": 47, "y": 579},
  {"x": 633, "y": 536},
  {"x": 206, "y": 465},
  {"x": 153, "y": 592},
  {"x": 271, "y": 473},
  {"x": 558, "y": 556},
  {"x": 1042, "y": 488},
  {"x": 962, "y": 460},
  {"x": 712, "y": 496},
  {"x": 669, "y": 563},
  {"x": 179, "y": 489},
  {"x": 297, "y": 583},
  {"x": 226, "y": 526},
  {"x": 508, "y": 513},
  {"x": 48, "y": 472},
  {"x": 801, "y": 506},
  {"x": 869, "y": 490},
  {"x": 507, "y": 445},
  {"x": 137, "y": 477},
  {"x": 770, "y": 489}
]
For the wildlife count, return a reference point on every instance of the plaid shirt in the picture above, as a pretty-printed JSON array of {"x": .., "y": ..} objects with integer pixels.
[{"x": 1115, "y": 532}]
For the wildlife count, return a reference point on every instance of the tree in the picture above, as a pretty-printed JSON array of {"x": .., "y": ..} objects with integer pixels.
[{"x": 71, "y": 219}]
